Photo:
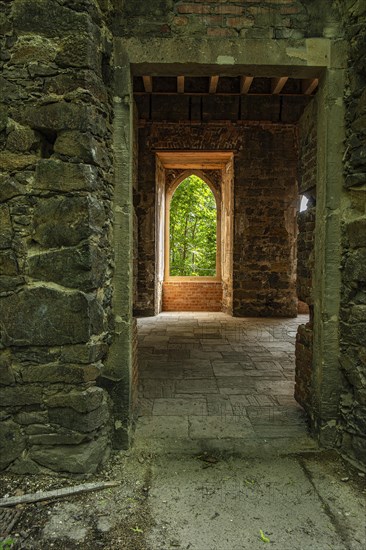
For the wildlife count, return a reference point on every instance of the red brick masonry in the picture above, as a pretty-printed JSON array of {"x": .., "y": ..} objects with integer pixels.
[{"x": 192, "y": 296}]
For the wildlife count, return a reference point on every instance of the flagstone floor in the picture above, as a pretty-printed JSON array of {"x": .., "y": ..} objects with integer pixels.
[{"x": 211, "y": 381}]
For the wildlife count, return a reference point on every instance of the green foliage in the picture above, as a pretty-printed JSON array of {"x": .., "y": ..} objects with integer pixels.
[
  {"x": 6, "y": 544},
  {"x": 193, "y": 229}
]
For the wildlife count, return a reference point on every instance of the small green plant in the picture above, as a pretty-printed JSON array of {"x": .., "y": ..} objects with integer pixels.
[
  {"x": 6, "y": 544},
  {"x": 136, "y": 529},
  {"x": 263, "y": 536}
]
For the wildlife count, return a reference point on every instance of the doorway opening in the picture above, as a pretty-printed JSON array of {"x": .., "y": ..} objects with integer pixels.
[
  {"x": 208, "y": 178},
  {"x": 225, "y": 340}
]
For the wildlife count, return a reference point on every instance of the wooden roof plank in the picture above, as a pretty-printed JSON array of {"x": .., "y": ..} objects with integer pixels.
[
  {"x": 180, "y": 84},
  {"x": 245, "y": 84},
  {"x": 278, "y": 84},
  {"x": 214, "y": 80},
  {"x": 308, "y": 85},
  {"x": 148, "y": 84}
]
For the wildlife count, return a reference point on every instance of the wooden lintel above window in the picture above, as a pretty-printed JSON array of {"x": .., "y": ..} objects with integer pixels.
[{"x": 195, "y": 159}]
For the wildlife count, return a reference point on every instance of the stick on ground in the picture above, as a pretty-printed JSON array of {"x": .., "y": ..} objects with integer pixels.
[{"x": 57, "y": 493}]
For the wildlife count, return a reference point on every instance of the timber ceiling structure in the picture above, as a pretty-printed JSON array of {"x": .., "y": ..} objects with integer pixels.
[
  {"x": 231, "y": 98},
  {"x": 225, "y": 85}
]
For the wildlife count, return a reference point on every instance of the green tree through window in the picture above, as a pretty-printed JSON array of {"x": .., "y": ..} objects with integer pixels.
[{"x": 193, "y": 229}]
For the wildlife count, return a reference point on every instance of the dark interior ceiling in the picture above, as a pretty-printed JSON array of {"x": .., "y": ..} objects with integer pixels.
[{"x": 222, "y": 98}]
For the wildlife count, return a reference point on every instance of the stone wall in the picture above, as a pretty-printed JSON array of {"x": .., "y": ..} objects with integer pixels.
[
  {"x": 55, "y": 242},
  {"x": 353, "y": 303},
  {"x": 306, "y": 253},
  {"x": 56, "y": 187},
  {"x": 253, "y": 19},
  {"x": 265, "y": 191}
]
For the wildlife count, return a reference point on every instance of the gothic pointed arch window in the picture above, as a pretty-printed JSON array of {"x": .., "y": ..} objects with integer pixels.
[{"x": 193, "y": 229}]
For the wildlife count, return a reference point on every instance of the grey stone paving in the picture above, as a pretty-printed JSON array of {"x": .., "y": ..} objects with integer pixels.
[{"x": 222, "y": 381}]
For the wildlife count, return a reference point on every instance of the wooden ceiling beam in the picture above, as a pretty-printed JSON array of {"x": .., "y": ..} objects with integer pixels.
[
  {"x": 214, "y": 80},
  {"x": 278, "y": 84},
  {"x": 180, "y": 84},
  {"x": 308, "y": 85},
  {"x": 148, "y": 84},
  {"x": 245, "y": 84}
]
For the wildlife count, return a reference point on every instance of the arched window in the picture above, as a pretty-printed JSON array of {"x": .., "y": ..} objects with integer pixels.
[{"x": 193, "y": 230}]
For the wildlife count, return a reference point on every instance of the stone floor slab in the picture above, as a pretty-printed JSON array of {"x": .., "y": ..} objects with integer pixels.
[
  {"x": 162, "y": 427},
  {"x": 226, "y": 379},
  {"x": 181, "y": 406},
  {"x": 219, "y": 427}
]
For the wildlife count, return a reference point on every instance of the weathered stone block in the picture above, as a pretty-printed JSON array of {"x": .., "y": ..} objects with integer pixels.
[
  {"x": 24, "y": 465},
  {"x": 354, "y": 333},
  {"x": 10, "y": 162},
  {"x": 355, "y": 267},
  {"x": 3, "y": 117},
  {"x": 84, "y": 79},
  {"x": 65, "y": 221},
  {"x": 47, "y": 17},
  {"x": 12, "y": 443},
  {"x": 356, "y": 232},
  {"x": 32, "y": 417},
  {"x": 65, "y": 116},
  {"x": 77, "y": 459},
  {"x": 10, "y": 91},
  {"x": 8, "y": 263},
  {"x": 81, "y": 422},
  {"x": 21, "y": 139},
  {"x": 44, "y": 316},
  {"x": 355, "y": 179},
  {"x": 81, "y": 401},
  {"x": 18, "y": 396},
  {"x": 5, "y": 23},
  {"x": 6, "y": 233},
  {"x": 82, "y": 267},
  {"x": 10, "y": 283},
  {"x": 32, "y": 48},
  {"x": 6, "y": 372},
  {"x": 359, "y": 448},
  {"x": 81, "y": 146},
  {"x": 84, "y": 353},
  {"x": 358, "y": 314},
  {"x": 65, "y": 176},
  {"x": 10, "y": 188},
  {"x": 63, "y": 437},
  {"x": 58, "y": 373},
  {"x": 79, "y": 51}
]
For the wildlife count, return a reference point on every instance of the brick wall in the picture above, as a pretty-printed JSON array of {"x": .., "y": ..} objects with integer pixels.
[
  {"x": 265, "y": 191},
  {"x": 192, "y": 296},
  {"x": 215, "y": 19},
  {"x": 265, "y": 199}
]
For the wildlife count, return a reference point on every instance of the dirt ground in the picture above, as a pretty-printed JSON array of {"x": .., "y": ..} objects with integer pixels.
[{"x": 199, "y": 502}]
